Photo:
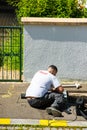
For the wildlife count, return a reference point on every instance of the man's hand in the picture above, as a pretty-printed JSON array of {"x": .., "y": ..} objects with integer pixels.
[{"x": 59, "y": 89}]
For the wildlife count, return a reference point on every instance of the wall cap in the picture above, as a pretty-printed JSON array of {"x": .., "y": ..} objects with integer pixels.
[{"x": 53, "y": 21}]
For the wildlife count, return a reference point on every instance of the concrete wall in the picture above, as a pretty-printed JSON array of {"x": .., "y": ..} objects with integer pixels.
[{"x": 64, "y": 45}]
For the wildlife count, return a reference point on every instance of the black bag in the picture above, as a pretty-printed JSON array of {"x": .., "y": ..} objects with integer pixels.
[{"x": 81, "y": 110}]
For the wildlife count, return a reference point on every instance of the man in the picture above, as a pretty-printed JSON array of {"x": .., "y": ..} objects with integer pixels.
[{"x": 45, "y": 91}]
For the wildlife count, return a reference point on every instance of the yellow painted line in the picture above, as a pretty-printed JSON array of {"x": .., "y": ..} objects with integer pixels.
[
  {"x": 53, "y": 122},
  {"x": 5, "y": 121}
]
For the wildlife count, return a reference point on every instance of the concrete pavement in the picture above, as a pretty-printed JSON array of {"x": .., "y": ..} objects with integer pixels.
[{"x": 13, "y": 107}]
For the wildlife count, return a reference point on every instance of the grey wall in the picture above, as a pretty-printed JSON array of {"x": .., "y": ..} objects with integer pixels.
[{"x": 63, "y": 46}]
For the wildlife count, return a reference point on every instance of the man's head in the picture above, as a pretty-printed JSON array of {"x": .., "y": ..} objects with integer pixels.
[{"x": 52, "y": 69}]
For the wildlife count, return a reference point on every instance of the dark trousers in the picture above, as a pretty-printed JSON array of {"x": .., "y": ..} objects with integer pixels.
[{"x": 49, "y": 99}]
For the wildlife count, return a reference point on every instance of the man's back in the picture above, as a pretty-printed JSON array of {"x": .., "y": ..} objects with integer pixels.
[{"x": 41, "y": 83}]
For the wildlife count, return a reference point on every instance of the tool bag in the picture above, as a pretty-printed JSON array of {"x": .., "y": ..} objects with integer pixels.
[{"x": 81, "y": 110}]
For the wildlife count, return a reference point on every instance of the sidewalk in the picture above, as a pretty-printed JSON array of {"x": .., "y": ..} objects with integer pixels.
[{"x": 12, "y": 106}]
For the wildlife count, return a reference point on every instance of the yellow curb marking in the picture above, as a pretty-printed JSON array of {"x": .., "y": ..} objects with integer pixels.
[
  {"x": 53, "y": 122},
  {"x": 5, "y": 121}
]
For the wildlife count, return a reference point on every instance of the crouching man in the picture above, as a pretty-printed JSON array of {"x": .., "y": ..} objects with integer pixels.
[{"x": 45, "y": 91}]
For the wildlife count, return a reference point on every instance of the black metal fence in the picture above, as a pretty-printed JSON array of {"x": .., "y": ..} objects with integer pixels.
[{"x": 11, "y": 53}]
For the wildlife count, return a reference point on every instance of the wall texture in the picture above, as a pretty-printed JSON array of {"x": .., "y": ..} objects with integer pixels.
[{"x": 64, "y": 45}]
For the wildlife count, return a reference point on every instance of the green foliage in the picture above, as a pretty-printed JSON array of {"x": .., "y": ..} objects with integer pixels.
[
  {"x": 48, "y": 8},
  {"x": 10, "y": 52},
  {"x": 34, "y": 8},
  {"x": 76, "y": 12},
  {"x": 13, "y": 2},
  {"x": 12, "y": 49},
  {"x": 85, "y": 12}
]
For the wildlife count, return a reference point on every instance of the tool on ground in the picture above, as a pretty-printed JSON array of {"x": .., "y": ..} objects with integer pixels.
[
  {"x": 81, "y": 110},
  {"x": 77, "y": 85},
  {"x": 23, "y": 96}
]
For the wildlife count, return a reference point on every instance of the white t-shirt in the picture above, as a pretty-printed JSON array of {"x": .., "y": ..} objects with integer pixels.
[{"x": 41, "y": 84}]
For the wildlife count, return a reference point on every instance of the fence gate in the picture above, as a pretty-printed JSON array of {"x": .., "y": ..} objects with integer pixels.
[{"x": 10, "y": 53}]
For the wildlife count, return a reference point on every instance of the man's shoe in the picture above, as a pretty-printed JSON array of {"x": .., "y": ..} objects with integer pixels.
[
  {"x": 53, "y": 111},
  {"x": 56, "y": 112},
  {"x": 48, "y": 109}
]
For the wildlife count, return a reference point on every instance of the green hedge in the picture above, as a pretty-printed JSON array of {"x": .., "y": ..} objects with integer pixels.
[{"x": 48, "y": 8}]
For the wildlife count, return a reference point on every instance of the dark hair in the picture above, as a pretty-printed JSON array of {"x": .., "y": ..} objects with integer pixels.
[{"x": 53, "y": 67}]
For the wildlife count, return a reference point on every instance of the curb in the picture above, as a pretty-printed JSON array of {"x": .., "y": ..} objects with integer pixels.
[{"x": 55, "y": 123}]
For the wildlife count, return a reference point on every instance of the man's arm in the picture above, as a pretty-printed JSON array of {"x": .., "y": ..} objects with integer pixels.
[{"x": 59, "y": 89}]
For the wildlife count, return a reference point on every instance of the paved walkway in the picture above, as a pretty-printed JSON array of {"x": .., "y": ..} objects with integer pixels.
[{"x": 13, "y": 107}]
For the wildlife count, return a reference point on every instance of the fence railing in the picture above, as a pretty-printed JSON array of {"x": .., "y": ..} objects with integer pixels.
[{"x": 11, "y": 53}]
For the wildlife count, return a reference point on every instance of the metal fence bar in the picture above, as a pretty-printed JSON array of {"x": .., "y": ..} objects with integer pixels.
[{"x": 21, "y": 54}]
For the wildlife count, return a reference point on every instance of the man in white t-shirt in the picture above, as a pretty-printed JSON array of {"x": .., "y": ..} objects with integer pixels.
[{"x": 45, "y": 91}]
